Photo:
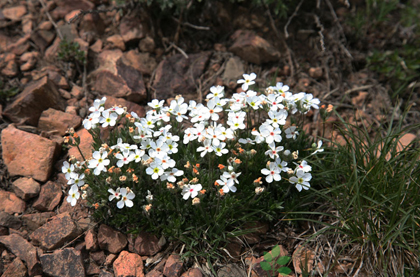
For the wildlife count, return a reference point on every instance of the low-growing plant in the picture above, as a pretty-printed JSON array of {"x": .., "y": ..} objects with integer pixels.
[
  {"x": 372, "y": 185},
  {"x": 195, "y": 172},
  {"x": 274, "y": 264},
  {"x": 69, "y": 51},
  {"x": 7, "y": 93}
]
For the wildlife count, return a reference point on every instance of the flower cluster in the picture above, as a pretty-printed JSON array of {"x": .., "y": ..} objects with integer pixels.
[{"x": 219, "y": 129}]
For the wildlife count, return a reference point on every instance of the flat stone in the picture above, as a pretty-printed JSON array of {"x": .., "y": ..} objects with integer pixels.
[
  {"x": 233, "y": 70},
  {"x": 146, "y": 244},
  {"x": 131, "y": 28},
  {"x": 115, "y": 41},
  {"x": 66, "y": 6},
  {"x": 63, "y": 263},
  {"x": 11, "y": 69},
  {"x": 110, "y": 239},
  {"x": 28, "y": 60},
  {"x": 85, "y": 146},
  {"x": 26, "y": 188},
  {"x": 32, "y": 101},
  {"x": 91, "y": 241},
  {"x": 15, "y": 269},
  {"x": 14, "y": 13},
  {"x": 194, "y": 272},
  {"x": 38, "y": 154},
  {"x": 154, "y": 273},
  {"x": 115, "y": 78},
  {"x": 49, "y": 197},
  {"x": 253, "y": 48},
  {"x": 99, "y": 257},
  {"x": 36, "y": 220},
  {"x": 43, "y": 39},
  {"x": 24, "y": 250},
  {"x": 56, "y": 232},
  {"x": 178, "y": 75},
  {"x": 303, "y": 259},
  {"x": 10, "y": 221},
  {"x": 128, "y": 265},
  {"x": 173, "y": 266},
  {"x": 10, "y": 203},
  {"x": 142, "y": 62},
  {"x": 147, "y": 44},
  {"x": 54, "y": 120}
]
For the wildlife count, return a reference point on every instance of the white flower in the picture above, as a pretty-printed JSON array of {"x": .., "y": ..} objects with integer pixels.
[
  {"x": 98, "y": 105},
  {"x": 254, "y": 102},
  {"x": 155, "y": 169},
  {"x": 156, "y": 104},
  {"x": 74, "y": 195},
  {"x": 115, "y": 194},
  {"x": 190, "y": 191},
  {"x": 318, "y": 148},
  {"x": 206, "y": 148},
  {"x": 272, "y": 152},
  {"x": 247, "y": 80},
  {"x": 149, "y": 196},
  {"x": 126, "y": 197},
  {"x": 228, "y": 184},
  {"x": 215, "y": 92},
  {"x": 124, "y": 158},
  {"x": 138, "y": 154},
  {"x": 108, "y": 119},
  {"x": 67, "y": 169},
  {"x": 303, "y": 166},
  {"x": 277, "y": 118},
  {"x": 98, "y": 162},
  {"x": 91, "y": 121},
  {"x": 273, "y": 173},
  {"x": 170, "y": 175},
  {"x": 220, "y": 149},
  {"x": 291, "y": 132},
  {"x": 77, "y": 179},
  {"x": 232, "y": 175},
  {"x": 301, "y": 180}
]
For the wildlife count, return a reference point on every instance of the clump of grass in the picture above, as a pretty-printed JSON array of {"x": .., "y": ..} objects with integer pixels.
[{"x": 372, "y": 184}]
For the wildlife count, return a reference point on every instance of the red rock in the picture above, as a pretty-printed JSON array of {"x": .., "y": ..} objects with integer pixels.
[
  {"x": 131, "y": 107},
  {"x": 154, "y": 273},
  {"x": 36, "y": 220},
  {"x": 97, "y": 46},
  {"x": 405, "y": 140},
  {"x": 303, "y": 259},
  {"x": 115, "y": 41},
  {"x": 106, "y": 274},
  {"x": 4, "y": 231},
  {"x": 59, "y": 80},
  {"x": 99, "y": 257},
  {"x": 54, "y": 120},
  {"x": 92, "y": 269},
  {"x": 72, "y": 15},
  {"x": 177, "y": 75},
  {"x": 49, "y": 197},
  {"x": 91, "y": 240},
  {"x": 85, "y": 146},
  {"x": 37, "y": 152},
  {"x": 128, "y": 265},
  {"x": 143, "y": 62},
  {"x": 66, "y": 6},
  {"x": 11, "y": 69},
  {"x": 51, "y": 52},
  {"x": 113, "y": 77},
  {"x": 56, "y": 232},
  {"x": 28, "y": 60},
  {"x": 147, "y": 44},
  {"x": 26, "y": 188},
  {"x": 110, "y": 239},
  {"x": 131, "y": 28},
  {"x": 316, "y": 72},
  {"x": 110, "y": 259},
  {"x": 146, "y": 244},
  {"x": 253, "y": 48},
  {"x": 234, "y": 249},
  {"x": 10, "y": 203},
  {"x": 46, "y": 25},
  {"x": 14, "y": 13},
  {"x": 233, "y": 70},
  {"x": 92, "y": 24},
  {"x": 173, "y": 266},
  {"x": 42, "y": 39},
  {"x": 15, "y": 269},
  {"x": 10, "y": 221},
  {"x": 63, "y": 263},
  {"x": 24, "y": 250},
  {"x": 77, "y": 92},
  {"x": 193, "y": 272},
  {"x": 35, "y": 98}
]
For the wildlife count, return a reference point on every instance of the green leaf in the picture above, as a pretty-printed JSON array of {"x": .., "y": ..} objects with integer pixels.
[
  {"x": 265, "y": 265},
  {"x": 283, "y": 260},
  {"x": 276, "y": 251},
  {"x": 268, "y": 257},
  {"x": 284, "y": 271}
]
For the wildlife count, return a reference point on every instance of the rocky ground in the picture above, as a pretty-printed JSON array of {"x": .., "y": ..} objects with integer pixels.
[{"x": 132, "y": 58}]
